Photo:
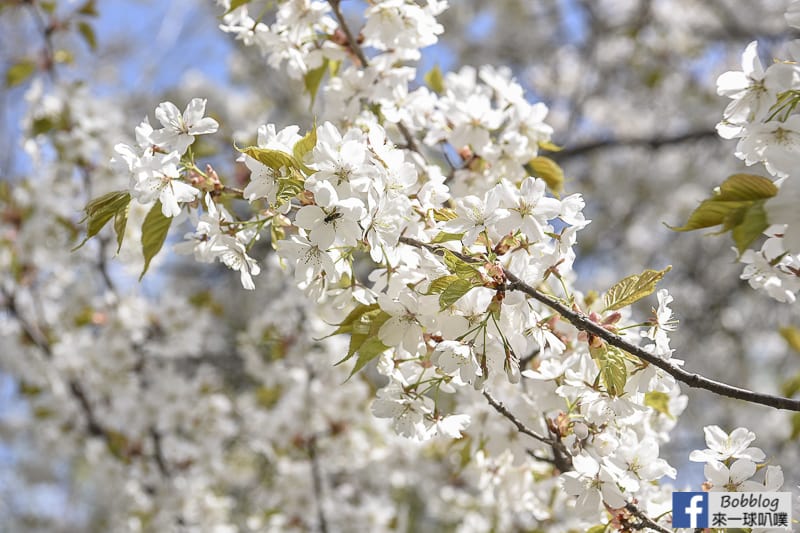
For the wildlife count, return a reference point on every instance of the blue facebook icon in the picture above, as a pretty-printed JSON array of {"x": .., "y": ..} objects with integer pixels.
[{"x": 689, "y": 509}]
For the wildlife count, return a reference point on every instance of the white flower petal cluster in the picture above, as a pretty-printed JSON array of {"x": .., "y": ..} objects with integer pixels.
[
  {"x": 155, "y": 164},
  {"x": 762, "y": 116},
  {"x": 731, "y": 462}
]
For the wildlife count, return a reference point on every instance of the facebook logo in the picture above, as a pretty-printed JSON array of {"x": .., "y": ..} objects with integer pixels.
[{"x": 690, "y": 509}]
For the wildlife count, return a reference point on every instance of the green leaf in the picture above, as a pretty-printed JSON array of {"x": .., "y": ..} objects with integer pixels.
[
  {"x": 48, "y": 7},
  {"x": 446, "y": 237},
  {"x": 346, "y": 326},
  {"x": 89, "y": 9},
  {"x": 102, "y": 209},
  {"x": 632, "y": 289},
  {"x": 462, "y": 269},
  {"x": 313, "y": 79},
  {"x": 549, "y": 146},
  {"x": 613, "y": 372},
  {"x": 792, "y": 336},
  {"x": 751, "y": 226},
  {"x": 288, "y": 188},
  {"x": 120, "y": 223},
  {"x": 738, "y": 206},
  {"x": 444, "y": 214},
  {"x": 547, "y": 169},
  {"x": 274, "y": 159},
  {"x": 795, "y": 426},
  {"x": 363, "y": 324},
  {"x": 746, "y": 187},
  {"x": 600, "y": 528},
  {"x": 713, "y": 213},
  {"x": 86, "y": 31},
  {"x": 439, "y": 285},
  {"x": 434, "y": 80},
  {"x": 304, "y": 146},
  {"x": 154, "y": 233},
  {"x": 19, "y": 72},
  {"x": 235, "y": 4},
  {"x": 791, "y": 386},
  {"x": 454, "y": 292},
  {"x": 658, "y": 401},
  {"x": 371, "y": 348}
]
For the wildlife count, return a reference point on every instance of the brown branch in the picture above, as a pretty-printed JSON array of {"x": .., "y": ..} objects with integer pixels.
[
  {"x": 158, "y": 452},
  {"x": 562, "y": 460},
  {"x": 351, "y": 41},
  {"x": 500, "y": 408},
  {"x": 646, "y": 521},
  {"x": 652, "y": 143},
  {"x": 582, "y": 322}
]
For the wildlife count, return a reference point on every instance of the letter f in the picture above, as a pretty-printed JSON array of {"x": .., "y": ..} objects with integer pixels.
[{"x": 693, "y": 510}]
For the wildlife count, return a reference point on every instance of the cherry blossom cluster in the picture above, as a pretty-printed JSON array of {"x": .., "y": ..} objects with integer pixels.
[
  {"x": 406, "y": 364},
  {"x": 761, "y": 116}
]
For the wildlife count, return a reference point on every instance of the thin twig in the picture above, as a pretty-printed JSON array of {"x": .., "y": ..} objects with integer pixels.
[
  {"x": 351, "y": 42},
  {"x": 562, "y": 460},
  {"x": 158, "y": 452},
  {"x": 500, "y": 408},
  {"x": 583, "y": 323}
]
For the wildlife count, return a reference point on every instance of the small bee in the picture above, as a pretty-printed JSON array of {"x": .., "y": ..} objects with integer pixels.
[{"x": 332, "y": 216}]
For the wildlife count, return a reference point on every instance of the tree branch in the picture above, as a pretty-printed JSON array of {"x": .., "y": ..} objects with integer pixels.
[
  {"x": 563, "y": 460},
  {"x": 500, "y": 408},
  {"x": 582, "y": 322},
  {"x": 351, "y": 41},
  {"x": 649, "y": 142},
  {"x": 646, "y": 521}
]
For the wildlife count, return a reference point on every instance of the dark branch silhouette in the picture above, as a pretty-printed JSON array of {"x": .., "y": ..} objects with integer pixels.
[{"x": 649, "y": 142}]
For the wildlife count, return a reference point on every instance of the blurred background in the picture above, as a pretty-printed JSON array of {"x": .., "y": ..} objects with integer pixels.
[{"x": 632, "y": 95}]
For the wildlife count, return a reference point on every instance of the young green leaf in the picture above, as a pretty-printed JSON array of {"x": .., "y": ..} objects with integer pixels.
[
  {"x": 792, "y": 336},
  {"x": 632, "y": 289},
  {"x": 549, "y": 146},
  {"x": 274, "y": 159},
  {"x": 462, "y": 269},
  {"x": 439, "y": 285},
  {"x": 363, "y": 324},
  {"x": 659, "y": 402},
  {"x": 750, "y": 227},
  {"x": 236, "y": 4},
  {"x": 613, "y": 372},
  {"x": 443, "y": 236},
  {"x": 547, "y": 169},
  {"x": 102, "y": 209},
  {"x": 19, "y": 72},
  {"x": 313, "y": 79},
  {"x": 120, "y": 223},
  {"x": 795, "y": 423},
  {"x": 154, "y": 233},
  {"x": 305, "y": 145},
  {"x": 87, "y": 32},
  {"x": 434, "y": 80},
  {"x": 738, "y": 206},
  {"x": 454, "y": 292}
]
